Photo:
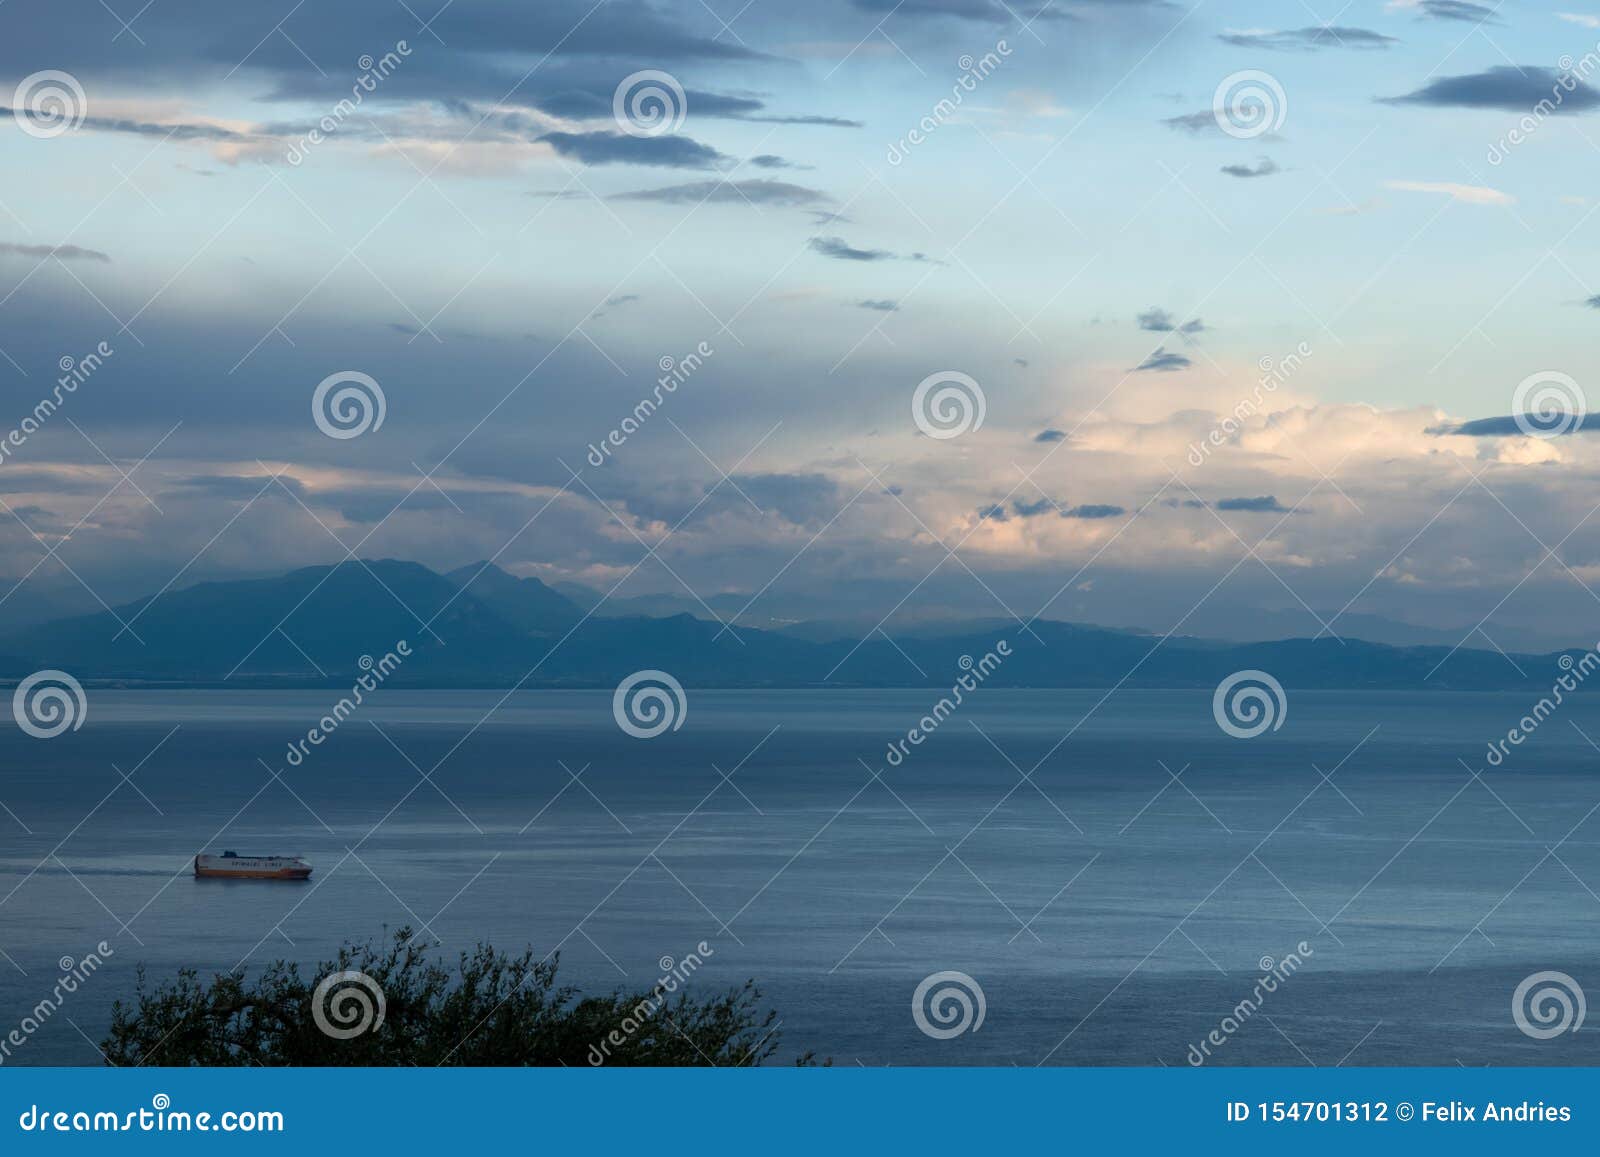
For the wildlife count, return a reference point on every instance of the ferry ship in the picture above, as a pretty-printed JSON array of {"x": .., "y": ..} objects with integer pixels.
[{"x": 232, "y": 866}]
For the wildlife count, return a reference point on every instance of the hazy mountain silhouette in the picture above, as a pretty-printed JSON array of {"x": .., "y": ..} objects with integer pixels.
[{"x": 479, "y": 626}]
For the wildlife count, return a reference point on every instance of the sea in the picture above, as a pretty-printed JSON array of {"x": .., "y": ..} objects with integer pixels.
[{"x": 1041, "y": 877}]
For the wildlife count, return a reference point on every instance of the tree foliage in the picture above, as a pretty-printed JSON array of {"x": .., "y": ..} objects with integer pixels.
[{"x": 492, "y": 1008}]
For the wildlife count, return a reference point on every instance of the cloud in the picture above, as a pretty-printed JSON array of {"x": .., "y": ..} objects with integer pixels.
[
  {"x": 758, "y": 192},
  {"x": 1457, "y": 10},
  {"x": 802, "y": 498},
  {"x": 1093, "y": 510},
  {"x": 994, "y": 513},
  {"x": 1031, "y": 509},
  {"x": 1467, "y": 194},
  {"x": 61, "y": 252},
  {"x": 610, "y": 148},
  {"x": 1192, "y": 122},
  {"x": 1308, "y": 39},
  {"x": 1261, "y": 504},
  {"x": 1507, "y": 426},
  {"x": 1508, "y": 88},
  {"x": 1593, "y": 302},
  {"x": 1051, "y": 435},
  {"x": 1579, "y": 18},
  {"x": 773, "y": 161},
  {"x": 841, "y": 250},
  {"x": 1160, "y": 321},
  {"x": 838, "y": 248},
  {"x": 987, "y": 11},
  {"x": 1265, "y": 167},
  {"x": 242, "y": 487},
  {"x": 881, "y": 304},
  {"x": 1163, "y": 361}
]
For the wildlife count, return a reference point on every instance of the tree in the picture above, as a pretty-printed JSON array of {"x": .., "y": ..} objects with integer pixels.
[{"x": 395, "y": 1004}]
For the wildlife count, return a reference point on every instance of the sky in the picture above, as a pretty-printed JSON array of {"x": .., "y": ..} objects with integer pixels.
[{"x": 1213, "y": 318}]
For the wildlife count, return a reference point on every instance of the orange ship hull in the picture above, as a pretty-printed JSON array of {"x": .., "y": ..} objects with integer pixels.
[
  {"x": 234, "y": 867},
  {"x": 253, "y": 874}
]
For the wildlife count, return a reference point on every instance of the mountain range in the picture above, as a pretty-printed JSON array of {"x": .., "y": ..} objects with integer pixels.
[{"x": 482, "y": 627}]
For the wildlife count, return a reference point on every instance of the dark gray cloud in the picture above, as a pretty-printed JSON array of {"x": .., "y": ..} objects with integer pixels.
[
  {"x": 63, "y": 252},
  {"x": 804, "y": 499},
  {"x": 609, "y": 148},
  {"x": 1306, "y": 40},
  {"x": 758, "y": 192},
  {"x": 1265, "y": 167},
  {"x": 840, "y": 249},
  {"x": 1164, "y": 361},
  {"x": 1051, "y": 435},
  {"x": 240, "y": 487},
  {"x": 994, "y": 513},
  {"x": 1089, "y": 510},
  {"x": 1261, "y": 504},
  {"x": 987, "y": 11},
  {"x": 880, "y": 304},
  {"x": 773, "y": 161},
  {"x": 1507, "y": 88},
  {"x": 1309, "y": 39},
  {"x": 1459, "y": 10},
  {"x": 1192, "y": 122},
  {"x": 1593, "y": 302},
  {"x": 1511, "y": 425},
  {"x": 1158, "y": 320}
]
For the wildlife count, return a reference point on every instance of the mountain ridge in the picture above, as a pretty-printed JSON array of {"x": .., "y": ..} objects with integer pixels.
[{"x": 479, "y": 626}]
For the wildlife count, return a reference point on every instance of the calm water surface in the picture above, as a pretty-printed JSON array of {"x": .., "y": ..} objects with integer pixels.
[{"x": 1111, "y": 913}]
